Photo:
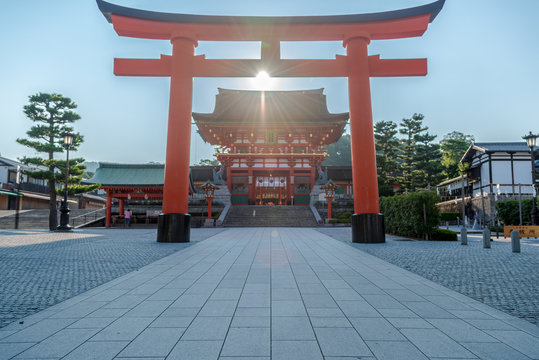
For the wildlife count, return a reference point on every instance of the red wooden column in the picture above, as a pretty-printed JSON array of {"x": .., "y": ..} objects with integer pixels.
[
  {"x": 108, "y": 210},
  {"x": 174, "y": 223},
  {"x": 121, "y": 212},
  {"x": 367, "y": 222}
]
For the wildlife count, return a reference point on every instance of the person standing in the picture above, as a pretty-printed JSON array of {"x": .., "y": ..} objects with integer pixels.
[{"x": 127, "y": 217}]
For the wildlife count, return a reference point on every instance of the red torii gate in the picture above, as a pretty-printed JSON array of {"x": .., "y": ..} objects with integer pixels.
[{"x": 356, "y": 31}]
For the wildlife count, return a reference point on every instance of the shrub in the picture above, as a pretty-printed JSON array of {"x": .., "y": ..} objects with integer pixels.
[
  {"x": 449, "y": 216},
  {"x": 508, "y": 211},
  {"x": 333, "y": 221},
  {"x": 344, "y": 217},
  {"x": 404, "y": 214},
  {"x": 444, "y": 235}
]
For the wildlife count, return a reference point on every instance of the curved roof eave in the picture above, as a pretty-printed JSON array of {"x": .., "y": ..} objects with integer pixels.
[{"x": 108, "y": 9}]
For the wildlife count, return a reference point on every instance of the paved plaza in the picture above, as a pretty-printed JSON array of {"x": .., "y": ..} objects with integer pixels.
[
  {"x": 40, "y": 268},
  {"x": 497, "y": 277},
  {"x": 263, "y": 293}
]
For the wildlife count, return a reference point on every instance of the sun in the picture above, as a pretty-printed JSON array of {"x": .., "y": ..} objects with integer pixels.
[{"x": 263, "y": 81}]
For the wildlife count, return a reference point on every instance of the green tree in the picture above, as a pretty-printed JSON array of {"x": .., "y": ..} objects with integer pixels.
[
  {"x": 387, "y": 147},
  {"x": 53, "y": 114},
  {"x": 208, "y": 162},
  {"x": 428, "y": 161},
  {"x": 453, "y": 147},
  {"x": 339, "y": 153},
  {"x": 410, "y": 128}
]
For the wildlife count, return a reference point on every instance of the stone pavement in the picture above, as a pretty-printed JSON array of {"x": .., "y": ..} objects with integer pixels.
[
  {"x": 270, "y": 294},
  {"x": 496, "y": 276},
  {"x": 40, "y": 268}
]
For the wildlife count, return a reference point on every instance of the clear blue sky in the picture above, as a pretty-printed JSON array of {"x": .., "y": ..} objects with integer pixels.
[{"x": 483, "y": 70}]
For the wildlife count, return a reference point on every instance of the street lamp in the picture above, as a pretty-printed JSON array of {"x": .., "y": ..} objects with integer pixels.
[
  {"x": 64, "y": 210},
  {"x": 329, "y": 188},
  {"x": 209, "y": 189},
  {"x": 531, "y": 141}
]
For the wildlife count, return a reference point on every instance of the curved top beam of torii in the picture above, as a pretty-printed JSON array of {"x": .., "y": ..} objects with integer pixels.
[{"x": 395, "y": 24}]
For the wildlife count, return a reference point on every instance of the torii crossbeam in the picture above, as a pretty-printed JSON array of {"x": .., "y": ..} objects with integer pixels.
[{"x": 355, "y": 31}]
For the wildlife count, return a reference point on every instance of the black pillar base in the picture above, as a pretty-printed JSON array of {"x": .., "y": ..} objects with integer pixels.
[
  {"x": 174, "y": 228},
  {"x": 368, "y": 228},
  {"x": 64, "y": 219}
]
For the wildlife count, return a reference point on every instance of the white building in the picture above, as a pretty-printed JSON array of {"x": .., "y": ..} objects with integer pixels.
[{"x": 499, "y": 168}]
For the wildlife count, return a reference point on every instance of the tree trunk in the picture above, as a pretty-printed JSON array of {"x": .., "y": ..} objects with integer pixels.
[{"x": 53, "y": 214}]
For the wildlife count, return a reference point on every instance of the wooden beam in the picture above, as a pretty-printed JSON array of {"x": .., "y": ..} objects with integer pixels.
[
  {"x": 396, "y": 67},
  {"x": 276, "y": 68},
  {"x": 143, "y": 67}
]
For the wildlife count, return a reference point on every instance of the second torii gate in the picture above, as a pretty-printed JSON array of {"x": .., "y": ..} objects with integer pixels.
[{"x": 355, "y": 31}]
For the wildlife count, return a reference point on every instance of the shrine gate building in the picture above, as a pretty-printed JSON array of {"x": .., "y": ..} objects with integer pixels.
[{"x": 270, "y": 142}]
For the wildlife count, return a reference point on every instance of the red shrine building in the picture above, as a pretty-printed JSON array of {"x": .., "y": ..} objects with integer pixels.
[{"x": 270, "y": 142}]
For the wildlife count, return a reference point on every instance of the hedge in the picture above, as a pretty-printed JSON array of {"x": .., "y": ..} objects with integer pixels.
[
  {"x": 403, "y": 214},
  {"x": 508, "y": 211},
  {"x": 444, "y": 235},
  {"x": 449, "y": 216}
]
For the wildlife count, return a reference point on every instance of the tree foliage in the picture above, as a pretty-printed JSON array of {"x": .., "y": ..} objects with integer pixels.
[
  {"x": 410, "y": 128},
  {"x": 208, "y": 162},
  {"x": 453, "y": 147},
  {"x": 428, "y": 161},
  {"x": 387, "y": 147},
  {"x": 53, "y": 115},
  {"x": 339, "y": 153}
]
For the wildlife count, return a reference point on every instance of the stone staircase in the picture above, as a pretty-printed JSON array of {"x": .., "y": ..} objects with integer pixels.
[
  {"x": 269, "y": 216},
  {"x": 39, "y": 218}
]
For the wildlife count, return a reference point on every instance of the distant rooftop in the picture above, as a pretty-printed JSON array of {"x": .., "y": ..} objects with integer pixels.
[
  {"x": 491, "y": 147},
  {"x": 111, "y": 174}
]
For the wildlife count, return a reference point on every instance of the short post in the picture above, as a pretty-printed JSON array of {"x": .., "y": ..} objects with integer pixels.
[
  {"x": 486, "y": 238},
  {"x": 515, "y": 241},
  {"x": 463, "y": 236}
]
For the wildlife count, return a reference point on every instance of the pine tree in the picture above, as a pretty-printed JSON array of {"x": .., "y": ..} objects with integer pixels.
[
  {"x": 387, "y": 146},
  {"x": 53, "y": 114},
  {"x": 410, "y": 128},
  {"x": 428, "y": 161}
]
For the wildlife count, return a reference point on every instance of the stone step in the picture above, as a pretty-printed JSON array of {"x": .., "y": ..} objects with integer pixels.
[
  {"x": 37, "y": 218},
  {"x": 269, "y": 216}
]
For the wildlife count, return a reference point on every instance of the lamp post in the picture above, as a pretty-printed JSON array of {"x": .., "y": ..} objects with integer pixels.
[
  {"x": 531, "y": 141},
  {"x": 18, "y": 181},
  {"x": 64, "y": 210},
  {"x": 209, "y": 189},
  {"x": 329, "y": 188}
]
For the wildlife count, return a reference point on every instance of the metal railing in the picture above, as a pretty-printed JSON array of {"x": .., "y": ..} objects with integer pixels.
[{"x": 90, "y": 217}]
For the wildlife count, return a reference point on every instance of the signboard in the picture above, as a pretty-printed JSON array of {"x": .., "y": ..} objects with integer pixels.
[{"x": 524, "y": 231}]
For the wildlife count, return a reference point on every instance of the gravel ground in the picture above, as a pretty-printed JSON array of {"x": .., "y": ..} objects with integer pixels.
[
  {"x": 496, "y": 276},
  {"x": 40, "y": 268}
]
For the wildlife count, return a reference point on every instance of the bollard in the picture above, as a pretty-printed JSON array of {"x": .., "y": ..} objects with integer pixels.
[
  {"x": 515, "y": 241},
  {"x": 463, "y": 236},
  {"x": 486, "y": 238}
]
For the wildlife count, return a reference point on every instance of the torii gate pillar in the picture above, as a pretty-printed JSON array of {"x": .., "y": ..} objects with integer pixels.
[
  {"x": 174, "y": 223},
  {"x": 367, "y": 222}
]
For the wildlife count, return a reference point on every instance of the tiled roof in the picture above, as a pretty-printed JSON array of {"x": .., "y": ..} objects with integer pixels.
[
  {"x": 501, "y": 146},
  {"x": 110, "y": 174},
  {"x": 276, "y": 107}
]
